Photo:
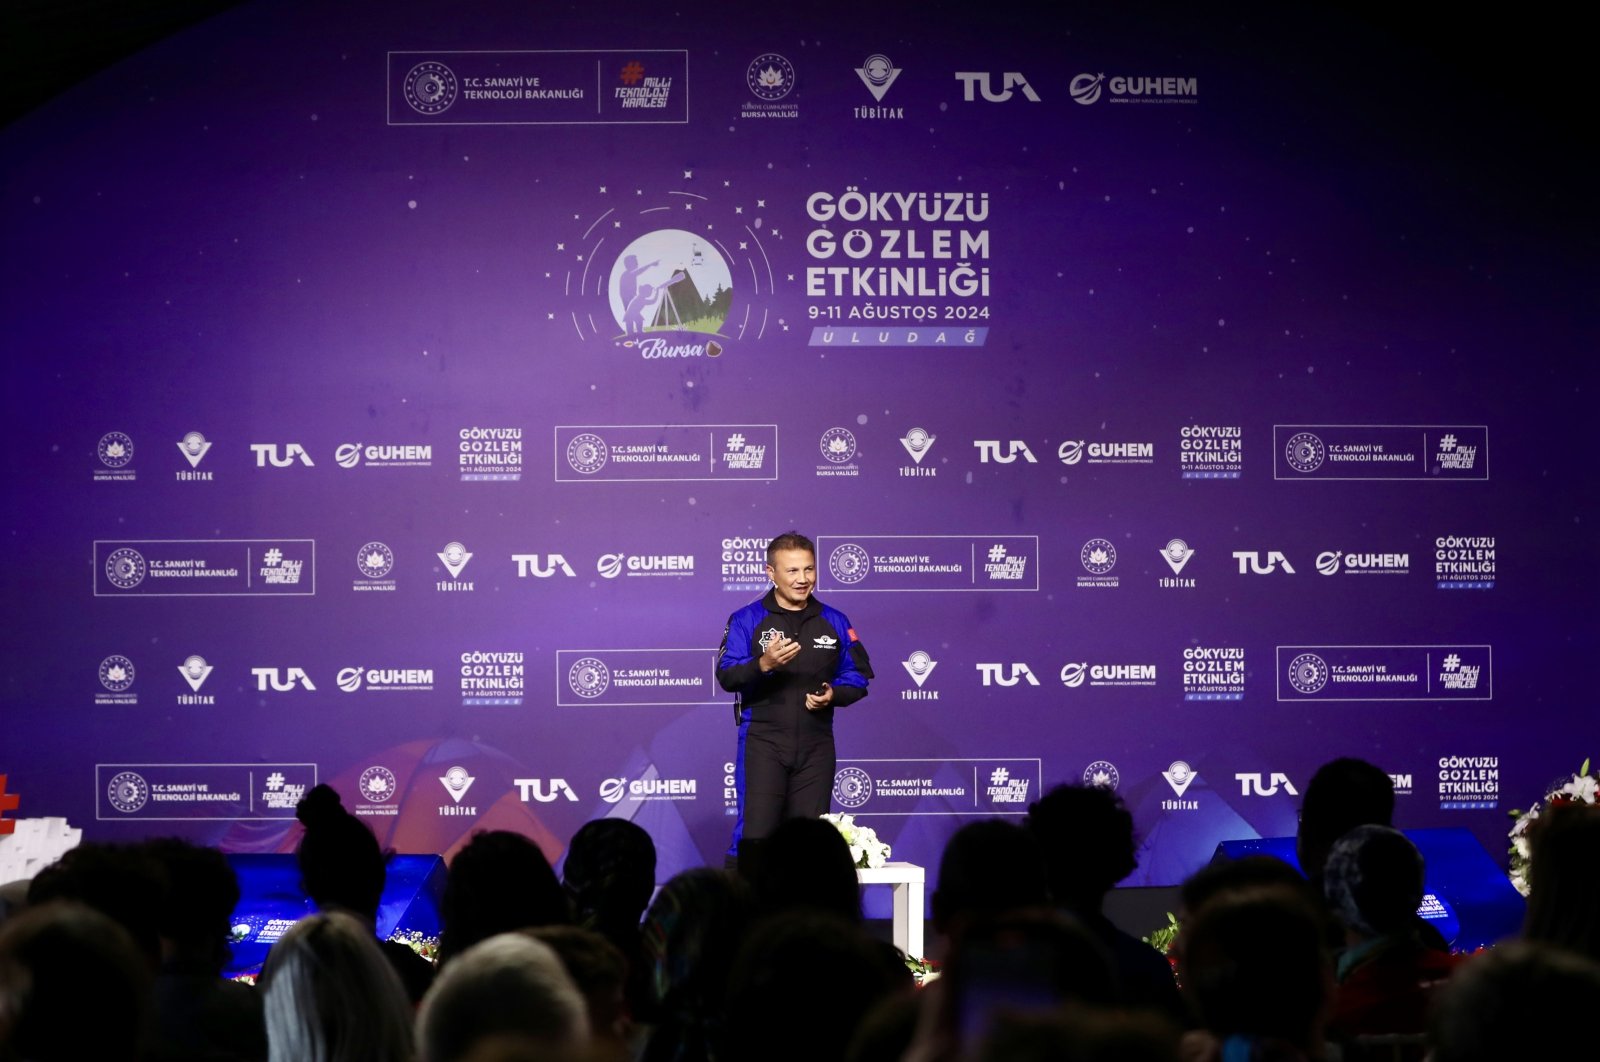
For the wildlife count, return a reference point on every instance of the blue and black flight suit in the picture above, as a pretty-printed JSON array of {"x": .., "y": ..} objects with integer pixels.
[{"x": 786, "y": 759}]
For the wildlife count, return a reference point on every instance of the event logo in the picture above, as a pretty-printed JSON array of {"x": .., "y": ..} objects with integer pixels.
[
  {"x": 1213, "y": 673},
  {"x": 1251, "y": 785},
  {"x": 973, "y": 82},
  {"x": 456, "y": 782},
  {"x": 849, "y": 564},
  {"x": 852, "y": 787},
  {"x": 454, "y": 557},
  {"x": 1464, "y": 562},
  {"x": 668, "y": 290},
  {"x": 267, "y": 454},
  {"x": 128, "y": 792},
  {"x": 544, "y": 792},
  {"x": 542, "y": 565},
  {"x": 587, "y": 454},
  {"x": 1098, "y": 556},
  {"x": 281, "y": 680},
  {"x": 1305, "y": 452},
  {"x": 1469, "y": 783},
  {"x": 195, "y": 671},
  {"x": 193, "y": 447},
  {"x": 744, "y": 562},
  {"x": 1308, "y": 673},
  {"x": 1102, "y": 775},
  {"x": 1211, "y": 451},
  {"x": 919, "y": 665},
  {"x": 1006, "y": 674},
  {"x": 917, "y": 443},
  {"x": 378, "y": 785},
  {"x": 116, "y": 673},
  {"x": 588, "y": 677},
  {"x": 490, "y": 454},
  {"x": 1179, "y": 776},
  {"x": 1250, "y": 561},
  {"x": 989, "y": 450},
  {"x": 1086, "y": 89},
  {"x": 125, "y": 568},
  {"x": 375, "y": 560},
  {"x": 430, "y": 88},
  {"x": 1004, "y": 789},
  {"x": 492, "y": 679}
]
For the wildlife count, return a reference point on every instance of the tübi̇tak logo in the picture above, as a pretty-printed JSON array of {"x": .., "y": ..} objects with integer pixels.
[{"x": 683, "y": 275}]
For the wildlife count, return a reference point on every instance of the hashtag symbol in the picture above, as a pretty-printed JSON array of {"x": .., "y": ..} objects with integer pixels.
[
  {"x": 998, "y": 776},
  {"x": 997, "y": 553},
  {"x": 275, "y": 781},
  {"x": 8, "y": 802},
  {"x": 1447, "y": 443},
  {"x": 273, "y": 556},
  {"x": 1452, "y": 662},
  {"x": 735, "y": 442},
  {"x": 632, "y": 73}
]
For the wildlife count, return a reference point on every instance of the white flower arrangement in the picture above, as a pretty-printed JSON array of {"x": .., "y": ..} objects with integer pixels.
[
  {"x": 866, "y": 851},
  {"x": 1583, "y": 788}
]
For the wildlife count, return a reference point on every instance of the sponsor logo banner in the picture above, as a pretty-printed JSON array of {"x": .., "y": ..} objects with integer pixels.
[
  {"x": 627, "y": 677},
  {"x": 644, "y": 87},
  {"x": 167, "y": 792},
  {"x": 1380, "y": 451},
  {"x": 1385, "y": 673},
  {"x": 681, "y": 452},
  {"x": 927, "y": 562},
  {"x": 968, "y": 786},
  {"x": 209, "y": 567}
]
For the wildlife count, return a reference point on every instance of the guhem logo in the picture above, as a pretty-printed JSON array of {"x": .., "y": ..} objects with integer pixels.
[
  {"x": 385, "y": 680},
  {"x": 1087, "y": 89},
  {"x": 612, "y": 565},
  {"x": 1074, "y": 674},
  {"x": 1250, "y": 784},
  {"x": 612, "y": 790},
  {"x": 975, "y": 82},
  {"x": 1073, "y": 451},
  {"x": 1331, "y": 562},
  {"x": 349, "y": 455},
  {"x": 852, "y": 787},
  {"x": 538, "y": 790}
]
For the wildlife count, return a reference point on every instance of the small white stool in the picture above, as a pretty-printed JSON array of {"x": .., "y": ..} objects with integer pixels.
[{"x": 907, "y": 879}]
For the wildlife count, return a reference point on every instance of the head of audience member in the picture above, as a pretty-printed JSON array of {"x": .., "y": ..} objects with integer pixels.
[
  {"x": 1563, "y": 901},
  {"x": 691, "y": 934},
  {"x": 1085, "y": 836},
  {"x": 600, "y": 973},
  {"x": 1521, "y": 999},
  {"x": 1342, "y": 794},
  {"x": 1256, "y": 970},
  {"x": 609, "y": 874},
  {"x": 499, "y": 882},
  {"x": 505, "y": 997},
  {"x": 1080, "y": 1035},
  {"x": 122, "y": 881},
  {"x": 806, "y": 863},
  {"x": 1373, "y": 882},
  {"x": 195, "y": 917},
  {"x": 341, "y": 865},
  {"x": 804, "y": 962},
  {"x": 988, "y": 868},
  {"x": 328, "y": 993},
  {"x": 73, "y": 985}
]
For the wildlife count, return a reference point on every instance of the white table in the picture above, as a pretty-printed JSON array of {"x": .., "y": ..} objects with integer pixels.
[{"x": 907, "y": 879}]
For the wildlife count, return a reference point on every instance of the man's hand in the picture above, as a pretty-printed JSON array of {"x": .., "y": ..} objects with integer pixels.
[
  {"x": 778, "y": 653},
  {"x": 818, "y": 701}
]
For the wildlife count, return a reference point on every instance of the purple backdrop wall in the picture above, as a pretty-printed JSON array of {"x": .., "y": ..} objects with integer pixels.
[{"x": 1163, "y": 415}]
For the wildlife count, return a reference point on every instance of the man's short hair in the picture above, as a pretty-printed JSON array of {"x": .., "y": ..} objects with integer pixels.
[
  {"x": 510, "y": 986},
  {"x": 789, "y": 540}
]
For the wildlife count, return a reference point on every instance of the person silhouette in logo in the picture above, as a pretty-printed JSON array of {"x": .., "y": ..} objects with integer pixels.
[{"x": 628, "y": 279}]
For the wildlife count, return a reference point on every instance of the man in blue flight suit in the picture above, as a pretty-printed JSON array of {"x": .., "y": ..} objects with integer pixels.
[{"x": 792, "y": 660}]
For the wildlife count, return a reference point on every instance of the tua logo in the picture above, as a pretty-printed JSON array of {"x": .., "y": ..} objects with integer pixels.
[
  {"x": 1250, "y": 784},
  {"x": 1251, "y": 562},
  {"x": 980, "y": 80},
  {"x": 267, "y": 678},
  {"x": 267, "y": 453},
  {"x": 1006, "y": 674},
  {"x": 542, "y": 566},
  {"x": 989, "y": 450},
  {"x": 537, "y": 789}
]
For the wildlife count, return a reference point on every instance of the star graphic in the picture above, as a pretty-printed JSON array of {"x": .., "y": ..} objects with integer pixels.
[
  {"x": 743, "y": 245},
  {"x": 791, "y": 276},
  {"x": 561, "y": 247},
  {"x": 638, "y": 191},
  {"x": 602, "y": 189},
  {"x": 575, "y": 217},
  {"x": 761, "y": 203},
  {"x": 688, "y": 206},
  {"x": 738, "y": 210},
  {"x": 550, "y": 317},
  {"x": 727, "y": 184},
  {"x": 688, "y": 175},
  {"x": 616, "y": 224}
]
